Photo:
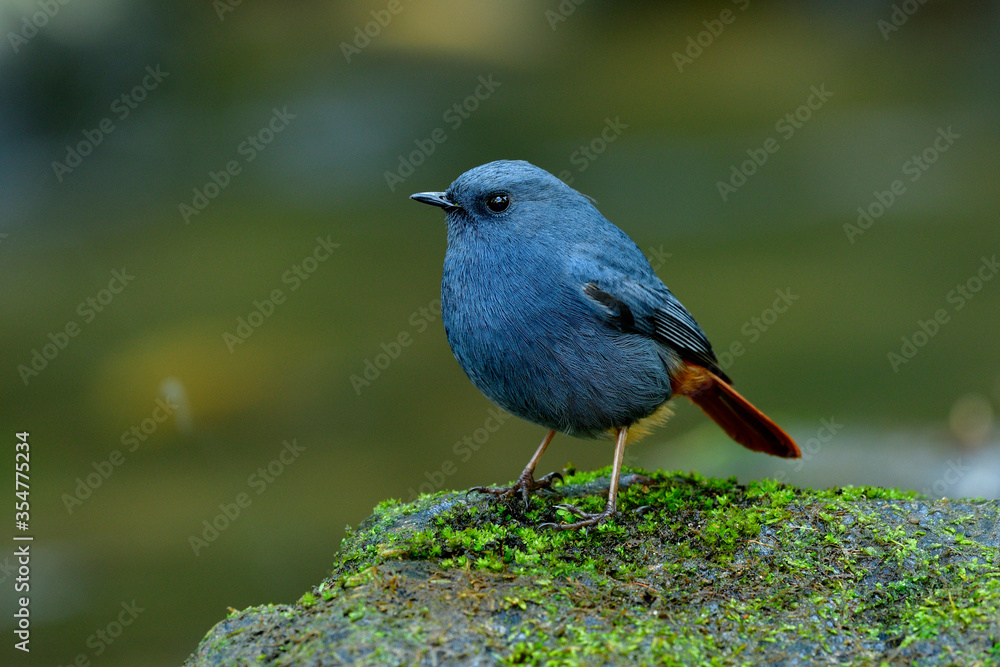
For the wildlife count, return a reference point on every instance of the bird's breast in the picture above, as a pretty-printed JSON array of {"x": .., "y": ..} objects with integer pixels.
[{"x": 527, "y": 339}]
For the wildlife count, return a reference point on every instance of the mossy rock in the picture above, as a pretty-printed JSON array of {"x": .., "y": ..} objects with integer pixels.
[{"x": 712, "y": 573}]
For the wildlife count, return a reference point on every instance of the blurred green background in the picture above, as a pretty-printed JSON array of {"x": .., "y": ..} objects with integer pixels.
[{"x": 689, "y": 101}]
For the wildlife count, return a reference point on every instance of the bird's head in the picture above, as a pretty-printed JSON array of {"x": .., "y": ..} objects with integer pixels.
[{"x": 512, "y": 194}]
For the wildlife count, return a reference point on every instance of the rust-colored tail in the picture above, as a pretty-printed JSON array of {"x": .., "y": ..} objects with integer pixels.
[{"x": 736, "y": 415}]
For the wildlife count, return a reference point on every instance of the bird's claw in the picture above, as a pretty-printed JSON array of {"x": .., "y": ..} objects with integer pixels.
[
  {"x": 526, "y": 483},
  {"x": 572, "y": 509},
  {"x": 586, "y": 518}
]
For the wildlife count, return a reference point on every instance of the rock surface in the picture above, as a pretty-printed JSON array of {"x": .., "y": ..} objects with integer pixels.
[{"x": 712, "y": 573}]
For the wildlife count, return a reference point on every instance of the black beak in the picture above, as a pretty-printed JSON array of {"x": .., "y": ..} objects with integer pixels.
[{"x": 435, "y": 199}]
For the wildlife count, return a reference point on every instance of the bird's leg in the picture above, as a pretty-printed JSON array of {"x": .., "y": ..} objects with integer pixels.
[
  {"x": 526, "y": 483},
  {"x": 587, "y": 519}
]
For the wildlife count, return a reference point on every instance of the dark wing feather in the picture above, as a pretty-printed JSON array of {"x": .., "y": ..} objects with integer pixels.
[
  {"x": 618, "y": 310},
  {"x": 675, "y": 326},
  {"x": 658, "y": 315}
]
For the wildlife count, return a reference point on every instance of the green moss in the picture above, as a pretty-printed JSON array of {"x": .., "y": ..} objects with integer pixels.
[{"x": 711, "y": 572}]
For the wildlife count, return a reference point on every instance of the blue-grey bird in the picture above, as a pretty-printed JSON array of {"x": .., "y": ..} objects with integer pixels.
[{"x": 556, "y": 315}]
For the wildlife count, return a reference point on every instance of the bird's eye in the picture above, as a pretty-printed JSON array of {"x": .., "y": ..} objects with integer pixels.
[{"x": 498, "y": 203}]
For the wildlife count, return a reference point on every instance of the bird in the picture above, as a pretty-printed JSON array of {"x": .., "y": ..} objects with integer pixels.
[{"x": 557, "y": 316}]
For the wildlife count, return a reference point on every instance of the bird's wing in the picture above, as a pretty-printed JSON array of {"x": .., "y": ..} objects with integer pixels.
[{"x": 653, "y": 311}]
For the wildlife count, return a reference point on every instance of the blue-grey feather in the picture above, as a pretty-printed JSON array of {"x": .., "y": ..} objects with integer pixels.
[{"x": 520, "y": 321}]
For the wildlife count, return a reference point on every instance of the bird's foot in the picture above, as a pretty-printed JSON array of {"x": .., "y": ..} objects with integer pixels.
[
  {"x": 526, "y": 484},
  {"x": 586, "y": 518}
]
